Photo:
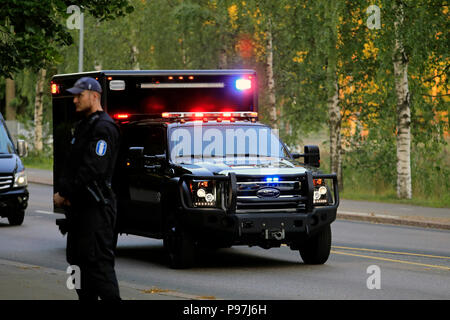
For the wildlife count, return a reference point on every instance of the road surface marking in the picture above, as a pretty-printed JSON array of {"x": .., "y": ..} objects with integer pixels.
[
  {"x": 392, "y": 260},
  {"x": 44, "y": 212},
  {"x": 393, "y": 252}
]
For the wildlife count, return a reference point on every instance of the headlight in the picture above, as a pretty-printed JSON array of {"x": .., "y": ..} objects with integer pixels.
[
  {"x": 204, "y": 193},
  {"x": 320, "y": 195},
  {"x": 20, "y": 179}
]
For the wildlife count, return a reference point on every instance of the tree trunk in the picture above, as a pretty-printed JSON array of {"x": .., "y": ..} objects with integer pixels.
[
  {"x": 38, "y": 110},
  {"x": 134, "y": 58},
  {"x": 334, "y": 113},
  {"x": 403, "y": 110},
  {"x": 271, "y": 81},
  {"x": 223, "y": 59},
  {"x": 10, "y": 112}
]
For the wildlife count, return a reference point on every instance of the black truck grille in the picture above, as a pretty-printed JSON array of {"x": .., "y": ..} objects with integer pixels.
[
  {"x": 257, "y": 193},
  {"x": 6, "y": 182}
]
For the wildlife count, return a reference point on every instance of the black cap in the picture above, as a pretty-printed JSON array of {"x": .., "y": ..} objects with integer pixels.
[{"x": 85, "y": 83}]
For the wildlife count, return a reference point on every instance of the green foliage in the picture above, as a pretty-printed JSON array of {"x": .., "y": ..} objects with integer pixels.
[
  {"x": 314, "y": 43},
  {"x": 31, "y": 31},
  {"x": 38, "y": 160}
]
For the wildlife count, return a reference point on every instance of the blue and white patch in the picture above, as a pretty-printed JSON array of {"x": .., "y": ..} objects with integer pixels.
[{"x": 100, "y": 149}]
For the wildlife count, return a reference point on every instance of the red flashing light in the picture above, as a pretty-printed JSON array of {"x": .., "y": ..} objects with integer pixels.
[
  {"x": 110, "y": 78},
  {"x": 207, "y": 116},
  {"x": 54, "y": 88},
  {"x": 121, "y": 116}
]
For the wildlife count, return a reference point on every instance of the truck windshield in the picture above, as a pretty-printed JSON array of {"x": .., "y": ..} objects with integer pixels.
[
  {"x": 6, "y": 145},
  {"x": 225, "y": 143}
]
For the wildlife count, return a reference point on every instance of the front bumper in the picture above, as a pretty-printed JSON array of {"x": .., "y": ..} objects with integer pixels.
[
  {"x": 14, "y": 199},
  {"x": 265, "y": 227}
]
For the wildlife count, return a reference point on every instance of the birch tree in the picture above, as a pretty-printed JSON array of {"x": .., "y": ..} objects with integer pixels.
[
  {"x": 38, "y": 110},
  {"x": 403, "y": 109},
  {"x": 411, "y": 38}
]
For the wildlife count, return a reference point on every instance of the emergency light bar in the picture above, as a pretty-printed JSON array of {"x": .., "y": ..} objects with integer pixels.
[
  {"x": 192, "y": 116},
  {"x": 209, "y": 115},
  {"x": 181, "y": 85}
]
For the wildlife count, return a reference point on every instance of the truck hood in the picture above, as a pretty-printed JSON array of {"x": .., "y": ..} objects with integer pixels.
[
  {"x": 276, "y": 167},
  {"x": 9, "y": 163}
]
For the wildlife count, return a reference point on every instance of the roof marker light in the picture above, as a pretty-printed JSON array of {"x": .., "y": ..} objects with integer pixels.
[
  {"x": 120, "y": 116},
  {"x": 243, "y": 84},
  {"x": 55, "y": 88}
]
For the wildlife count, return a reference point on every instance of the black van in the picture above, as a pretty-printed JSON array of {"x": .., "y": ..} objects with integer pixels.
[{"x": 13, "y": 178}]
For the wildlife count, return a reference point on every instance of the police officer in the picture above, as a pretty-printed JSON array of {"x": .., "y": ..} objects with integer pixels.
[{"x": 84, "y": 190}]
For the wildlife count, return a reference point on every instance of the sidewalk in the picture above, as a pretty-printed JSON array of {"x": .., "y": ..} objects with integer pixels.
[
  {"x": 19, "y": 281},
  {"x": 400, "y": 214}
]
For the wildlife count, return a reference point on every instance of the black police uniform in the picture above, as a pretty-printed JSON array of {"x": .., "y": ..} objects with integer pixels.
[{"x": 86, "y": 183}]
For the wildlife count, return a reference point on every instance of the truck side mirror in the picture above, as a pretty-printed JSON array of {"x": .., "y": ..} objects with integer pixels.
[
  {"x": 312, "y": 155},
  {"x": 22, "y": 148}
]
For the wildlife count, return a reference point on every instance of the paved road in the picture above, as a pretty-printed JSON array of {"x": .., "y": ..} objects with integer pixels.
[{"x": 414, "y": 263}]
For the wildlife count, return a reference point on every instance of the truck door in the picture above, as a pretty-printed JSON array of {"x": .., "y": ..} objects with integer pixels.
[{"x": 145, "y": 182}]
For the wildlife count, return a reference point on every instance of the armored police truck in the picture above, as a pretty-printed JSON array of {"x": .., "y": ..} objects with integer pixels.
[{"x": 196, "y": 168}]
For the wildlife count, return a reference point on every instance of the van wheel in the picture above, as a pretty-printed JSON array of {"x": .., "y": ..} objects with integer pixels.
[
  {"x": 180, "y": 247},
  {"x": 316, "y": 249},
  {"x": 16, "y": 217}
]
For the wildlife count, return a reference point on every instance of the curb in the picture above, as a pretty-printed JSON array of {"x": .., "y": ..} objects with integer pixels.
[
  {"x": 39, "y": 178},
  {"x": 138, "y": 292},
  {"x": 423, "y": 222}
]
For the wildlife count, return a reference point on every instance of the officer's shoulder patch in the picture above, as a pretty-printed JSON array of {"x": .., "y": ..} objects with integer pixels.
[{"x": 100, "y": 148}]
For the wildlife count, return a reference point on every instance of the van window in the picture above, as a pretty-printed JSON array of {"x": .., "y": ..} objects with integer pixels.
[{"x": 6, "y": 145}]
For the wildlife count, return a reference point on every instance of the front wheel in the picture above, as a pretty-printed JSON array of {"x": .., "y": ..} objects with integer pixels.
[
  {"x": 180, "y": 247},
  {"x": 16, "y": 217},
  {"x": 316, "y": 249}
]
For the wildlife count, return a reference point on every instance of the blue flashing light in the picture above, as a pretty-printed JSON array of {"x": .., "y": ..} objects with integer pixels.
[
  {"x": 272, "y": 179},
  {"x": 243, "y": 84}
]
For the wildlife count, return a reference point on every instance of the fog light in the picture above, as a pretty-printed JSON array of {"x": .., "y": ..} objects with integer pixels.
[{"x": 209, "y": 197}]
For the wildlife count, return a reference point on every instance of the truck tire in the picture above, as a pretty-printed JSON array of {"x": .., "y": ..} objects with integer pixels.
[
  {"x": 180, "y": 247},
  {"x": 316, "y": 249},
  {"x": 16, "y": 217}
]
